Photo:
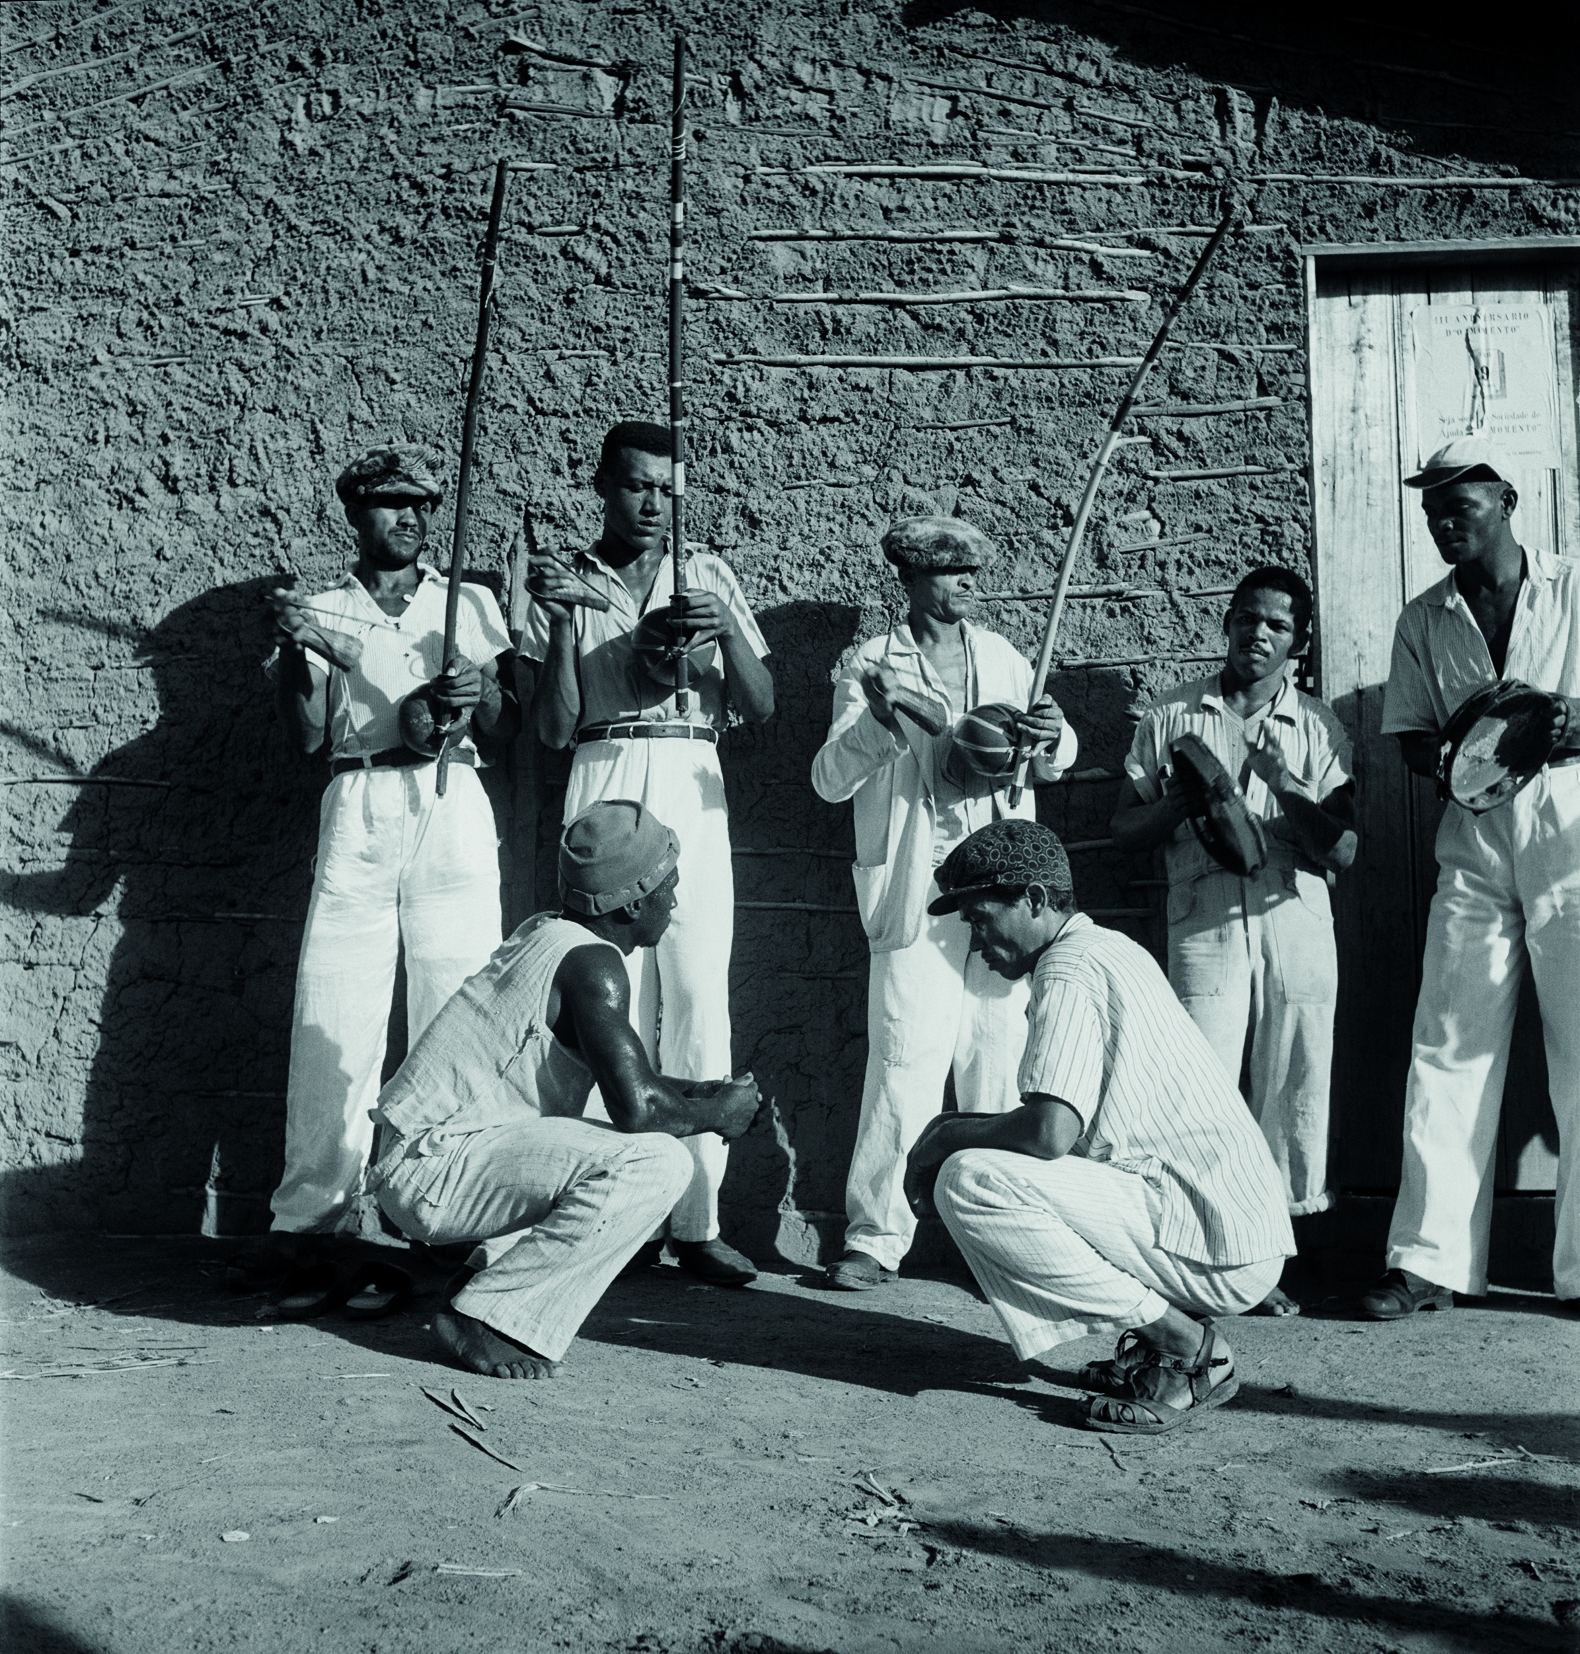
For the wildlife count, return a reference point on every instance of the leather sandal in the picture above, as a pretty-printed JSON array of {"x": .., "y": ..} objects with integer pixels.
[
  {"x": 1111, "y": 1378},
  {"x": 1163, "y": 1391},
  {"x": 377, "y": 1289},
  {"x": 1400, "y": 1293},
  {"x": 856, "y": 1271}
]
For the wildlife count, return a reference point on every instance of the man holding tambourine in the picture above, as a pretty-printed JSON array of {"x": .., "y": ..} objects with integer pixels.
[{"x": 1484, "y": 695}]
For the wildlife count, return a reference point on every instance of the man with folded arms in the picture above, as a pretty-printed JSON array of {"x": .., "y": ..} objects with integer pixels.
[
  {"x": 630, "y": 741},
  {"x": 487, "y": 1140},
  {"x": 1131, "y": 1191},
  {"x": 1508, "y": 888}
]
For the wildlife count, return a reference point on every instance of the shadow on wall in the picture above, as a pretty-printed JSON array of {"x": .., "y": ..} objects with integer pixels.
[
  {"x": 179, "y": 899},
  {"x": 798, "y": 973}
]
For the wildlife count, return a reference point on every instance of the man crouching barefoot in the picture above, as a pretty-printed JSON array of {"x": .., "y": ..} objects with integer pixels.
[
  {"x": 1131, "y": 1191},
  {"x": 487, "y": 1142}
]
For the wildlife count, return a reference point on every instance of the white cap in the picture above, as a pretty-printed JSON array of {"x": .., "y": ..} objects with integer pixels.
[{"x": 1454, "y": 459}]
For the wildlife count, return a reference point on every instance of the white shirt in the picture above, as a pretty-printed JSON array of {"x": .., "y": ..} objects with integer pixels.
[
  {"x": 1312, "y": 740},
  {"x": 400, "y": 653},
  {"x": 1108, "y": 1037},
  {"x": 614, "y": 689},
  {"x": 1441, "y": 658},
  {"x": 908, "y": 817}
]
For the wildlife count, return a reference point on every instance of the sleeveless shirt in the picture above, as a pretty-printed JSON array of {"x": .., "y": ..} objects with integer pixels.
[{"x": 489, "y": 1057}]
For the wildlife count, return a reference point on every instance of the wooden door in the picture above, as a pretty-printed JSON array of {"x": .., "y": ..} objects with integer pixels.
[{"x": 1372, "y": 555}]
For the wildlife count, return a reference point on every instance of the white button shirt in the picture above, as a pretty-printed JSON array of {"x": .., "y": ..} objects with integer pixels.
[
  {"x": 1441, "y": 658},
  {"x": 400, "y": 653}
]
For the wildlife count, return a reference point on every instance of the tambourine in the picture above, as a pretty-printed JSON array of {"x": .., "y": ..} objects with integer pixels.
[
  {"x": 1228, "y": 831},
  {"x": 1497, "y": 742}
]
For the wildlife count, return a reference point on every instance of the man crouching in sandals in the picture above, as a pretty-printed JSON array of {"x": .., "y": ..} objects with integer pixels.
[
  {"x": 487, "y": 1143},
  {"x": 1131, "y": 1191}
]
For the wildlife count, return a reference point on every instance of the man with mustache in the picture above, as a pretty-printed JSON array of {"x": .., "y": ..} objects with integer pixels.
[
  {"x": 1253, "y": 959},
  {"x": 933, "y": 1010},
  {"x": 396, "y": 866},
  {"x": 1508, "y": 889}
]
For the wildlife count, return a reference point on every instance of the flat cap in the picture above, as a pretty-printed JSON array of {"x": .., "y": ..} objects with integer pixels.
[
  {"x": 1456, "y": 460},
  {"x": 393, "y": 471},
  {"x": 1013, "y": 852},
  {"x": 925, "y": 543},
  {"x": 612, "y": 854}
]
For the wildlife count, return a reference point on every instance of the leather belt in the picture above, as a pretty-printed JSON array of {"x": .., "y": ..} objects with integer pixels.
[
  {"x": 647, "y": 730},
  {"x": 395, "y": 758}
]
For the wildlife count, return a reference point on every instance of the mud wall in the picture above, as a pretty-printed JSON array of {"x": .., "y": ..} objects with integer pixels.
[{"x": 243, "y": 245}]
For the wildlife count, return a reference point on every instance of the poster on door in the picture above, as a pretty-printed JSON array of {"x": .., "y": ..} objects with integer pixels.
[{"x": 1486, "y": 370}]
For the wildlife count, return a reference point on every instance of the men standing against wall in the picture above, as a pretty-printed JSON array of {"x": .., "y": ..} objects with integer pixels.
[
  {"x": 932, "y": 1007},
  {"x": 1508, "y": 889},
  {"x": 593, "y": 691},
  {"x": 1253, "y": 959},
  {"x": 395, "y": 865}
]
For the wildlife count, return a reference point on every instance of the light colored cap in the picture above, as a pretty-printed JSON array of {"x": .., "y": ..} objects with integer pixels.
[
  {"x": 612, "y": 854},
  {"x": 925, "y": 543},
  {"x": 1454, "y": 459}
]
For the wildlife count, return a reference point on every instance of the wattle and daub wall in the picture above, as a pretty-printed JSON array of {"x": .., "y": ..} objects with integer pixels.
[{"x": 243, "y": 245}]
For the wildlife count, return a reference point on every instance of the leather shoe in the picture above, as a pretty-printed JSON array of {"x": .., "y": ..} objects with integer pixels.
[
  {"x": 857, "y": 1272},
  {"x": 1400, "y": 1293},
  {"x": 714, "y": 1262}
]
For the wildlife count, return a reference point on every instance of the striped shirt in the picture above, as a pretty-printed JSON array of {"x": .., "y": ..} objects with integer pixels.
[
  {"x": 1440, "y": 656},
  {"x": 1109, "y": 1039},
  {"x": 614, "y": 688},
  {"x": 1311, "y": 739}
]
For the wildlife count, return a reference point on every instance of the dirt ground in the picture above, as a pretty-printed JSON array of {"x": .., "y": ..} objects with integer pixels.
[{"x": 183, "y": 1471}]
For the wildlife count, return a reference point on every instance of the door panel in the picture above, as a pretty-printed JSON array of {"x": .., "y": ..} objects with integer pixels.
[{"x": 1372, "y": 555}]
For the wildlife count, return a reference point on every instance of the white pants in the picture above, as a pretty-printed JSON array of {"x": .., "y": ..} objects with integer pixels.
[
  {"x": 1508, "y": 893},
  {"x": 680, "y": 990},
  {"x": 562, "y": 1204},
  {"x": 932, "y": 1008},
  {"x": 1066, "y": 1248},
  {"x": 1255, "y": 958},
  {"x": 395, "y": 865}
]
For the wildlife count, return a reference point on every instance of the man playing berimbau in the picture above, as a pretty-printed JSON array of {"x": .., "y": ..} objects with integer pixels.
[
  {"x": 1508, "y": 889},
  {"x": 933, "y": 1009},
  {"x": 1253, "y": 958},
  {"x": 397, "y": 868},
  {"x": 487, "y": 1140},
  {"x": 1131, "y": 1191},
  {"x": 630, "y": 741}
]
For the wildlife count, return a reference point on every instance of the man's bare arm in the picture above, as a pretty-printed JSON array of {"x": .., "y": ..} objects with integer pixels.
[
  {"x": 1046, "y": 1128},
  {"x": 1419, "y": 751},
  {"x": 594, "y": 995},
  {"x": 556, "y": 709},
  {"x": 1139, "y": 826},
  {"x": 301, "y": 697}
]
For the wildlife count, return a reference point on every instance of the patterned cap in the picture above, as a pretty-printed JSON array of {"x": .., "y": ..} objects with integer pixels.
[
  {"x": 612, "y": 854},
  {"x": 1004, "y": 852},
  {"x": 397, "y": 472},
  {"x": 925, "y": 543}
]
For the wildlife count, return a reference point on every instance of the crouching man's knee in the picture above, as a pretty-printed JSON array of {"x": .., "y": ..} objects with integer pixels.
[
  {"x": 663, "y": 1165},
  {"x": 967, "y": 1181}
]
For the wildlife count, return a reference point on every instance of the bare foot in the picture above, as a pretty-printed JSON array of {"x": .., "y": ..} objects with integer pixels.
[
  {"x": 1277, "y": 1302},
  {"x": 476, "y": 1345}
]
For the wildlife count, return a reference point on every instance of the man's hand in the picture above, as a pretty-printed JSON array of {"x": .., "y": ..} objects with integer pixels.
[
  {"x": 459, "y": 686},
  {"x": 286, "y": 620},
  {"x": 1266, "y": 759},
  {"x": 880, "y": 686},
  {"x": 739, "y": 1100},
  {"x": 702, "y": 616},
  {"x": 553, "y": 585},
  {"x": 932, "y": 1149},
  {"x": 1041, "y": 728}
]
